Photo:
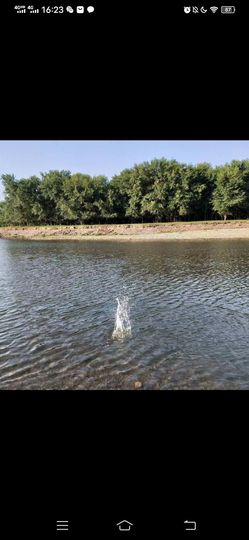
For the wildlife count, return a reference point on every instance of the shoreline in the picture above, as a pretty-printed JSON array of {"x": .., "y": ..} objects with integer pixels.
[{"x": 133, "y": 232}]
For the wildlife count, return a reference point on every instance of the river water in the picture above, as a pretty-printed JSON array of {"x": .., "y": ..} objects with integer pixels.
[{"x": 188, "y": 309}]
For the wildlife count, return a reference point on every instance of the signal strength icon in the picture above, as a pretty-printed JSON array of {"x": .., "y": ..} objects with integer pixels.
[
  {"x": 214, "y": 9},
  {"x": 20, "y": 9},
  {"x": 32, "y": 9}
]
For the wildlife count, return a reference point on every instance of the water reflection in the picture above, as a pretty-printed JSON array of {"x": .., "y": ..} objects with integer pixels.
[{"x": 188, "y": 304}]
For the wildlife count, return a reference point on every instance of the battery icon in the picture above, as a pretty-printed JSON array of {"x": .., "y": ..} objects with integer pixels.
[{"x": 227, "y": 9}]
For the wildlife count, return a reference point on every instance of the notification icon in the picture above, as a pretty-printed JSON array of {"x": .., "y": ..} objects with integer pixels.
[{"x": 80, "y": 9}]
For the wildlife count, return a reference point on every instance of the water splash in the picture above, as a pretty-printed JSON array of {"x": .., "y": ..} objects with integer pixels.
[{"x": 122, "y": 323}]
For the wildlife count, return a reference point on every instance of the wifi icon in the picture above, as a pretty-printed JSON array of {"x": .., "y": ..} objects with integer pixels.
[{"x": 214, "y": 9}]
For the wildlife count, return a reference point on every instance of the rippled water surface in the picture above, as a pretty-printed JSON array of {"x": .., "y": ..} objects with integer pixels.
[{"x": 189, "y": 314}]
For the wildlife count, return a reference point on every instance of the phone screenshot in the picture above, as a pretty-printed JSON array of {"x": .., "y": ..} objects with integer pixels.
[{"x": 124, "y": 270}]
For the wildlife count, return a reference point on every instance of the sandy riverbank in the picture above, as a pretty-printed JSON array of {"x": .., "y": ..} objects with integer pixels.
[{"x": 165, "y": 231}]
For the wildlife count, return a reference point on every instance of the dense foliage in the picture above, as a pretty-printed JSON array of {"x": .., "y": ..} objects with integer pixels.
[{"x": 160, "y": 190}]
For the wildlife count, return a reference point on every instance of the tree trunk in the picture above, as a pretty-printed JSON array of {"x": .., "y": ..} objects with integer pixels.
[{"x": 225, "y": 217}]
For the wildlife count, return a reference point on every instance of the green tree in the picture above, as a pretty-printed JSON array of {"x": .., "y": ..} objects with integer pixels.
[
  {"x": 3, "y": 214},
  {"x": 52, "y": 194},
  {"x": 143, "y": 198},
  {"x": 202, "y": 185},
  {"x": 230, "y": 194},
  {"x": 118, "y": 195},
  {"x": 23, "y": 201},
  {"x": 157, "y": 190},
  {"x": 83, "y": 199},
  {"x": 28, "y": 202}
]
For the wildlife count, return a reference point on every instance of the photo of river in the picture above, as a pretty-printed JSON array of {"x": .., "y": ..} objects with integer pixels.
[{"x": 185, "y": 305}]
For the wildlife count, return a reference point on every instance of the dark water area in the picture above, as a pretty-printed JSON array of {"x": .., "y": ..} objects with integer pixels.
[{"x": 189, "y": 314}]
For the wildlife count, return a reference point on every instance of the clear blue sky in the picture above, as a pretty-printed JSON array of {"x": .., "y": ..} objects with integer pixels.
[{"x": 26, "y": 158}]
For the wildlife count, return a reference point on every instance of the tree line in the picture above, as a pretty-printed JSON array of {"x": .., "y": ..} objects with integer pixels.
[{"x": 159, "y": 190}]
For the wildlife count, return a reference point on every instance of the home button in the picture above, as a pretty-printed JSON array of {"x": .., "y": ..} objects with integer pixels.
[{"x": 124, "y": 525}]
